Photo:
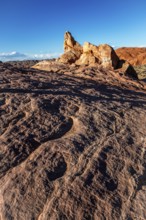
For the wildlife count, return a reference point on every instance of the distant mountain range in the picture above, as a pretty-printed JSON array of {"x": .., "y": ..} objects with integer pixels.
[{"x": 14, "y": 56}]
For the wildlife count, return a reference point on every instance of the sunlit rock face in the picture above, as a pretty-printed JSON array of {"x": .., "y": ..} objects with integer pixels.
[
  {"x": 101, "y": 56},
  {"x": 89, "y": 54},
  {"x": 72, "y": 49}
]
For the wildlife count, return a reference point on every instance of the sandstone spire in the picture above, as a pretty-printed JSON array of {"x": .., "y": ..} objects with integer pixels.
[
  {"x": 72, "y": 49},
  {"x": 70, "y": 44}
]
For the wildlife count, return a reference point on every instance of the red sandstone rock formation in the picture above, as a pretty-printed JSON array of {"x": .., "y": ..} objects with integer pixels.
[
  {"x": 102, "y": 56},
  {"x": 89, "y": 54},
  {"x": 135, "y": 56}
]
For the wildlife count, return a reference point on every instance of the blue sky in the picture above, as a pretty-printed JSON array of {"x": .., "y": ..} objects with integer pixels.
[{"x": 38, "y": 26}]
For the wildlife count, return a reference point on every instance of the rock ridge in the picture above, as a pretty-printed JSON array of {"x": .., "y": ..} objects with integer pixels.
[
  {"x": 101, "y": 56},
  {"x": 88, "y": 54}
]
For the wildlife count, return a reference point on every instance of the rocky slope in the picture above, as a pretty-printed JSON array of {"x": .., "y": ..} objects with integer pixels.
[
  {"x": 72, "y": 145},
  {"x": 134, "y": 55}
]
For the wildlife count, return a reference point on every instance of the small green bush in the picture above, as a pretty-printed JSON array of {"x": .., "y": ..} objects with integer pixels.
[{"x": 141, "y": 71}]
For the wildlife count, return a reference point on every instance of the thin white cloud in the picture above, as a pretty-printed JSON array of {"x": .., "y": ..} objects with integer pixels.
[
  {"x": 45, "y": 55},
  {"x": 142, "y": 46},
  {"x": 11, "y": 56}
]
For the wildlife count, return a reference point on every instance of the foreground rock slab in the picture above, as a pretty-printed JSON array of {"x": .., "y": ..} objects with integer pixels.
[{"x": 71, "y": 147}]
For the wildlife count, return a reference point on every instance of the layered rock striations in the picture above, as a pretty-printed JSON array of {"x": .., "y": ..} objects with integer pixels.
[{"x": 103, "y": 55}]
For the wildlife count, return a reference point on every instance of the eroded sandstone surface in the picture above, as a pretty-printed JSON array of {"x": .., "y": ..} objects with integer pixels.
[{"x": 72, "y": 144}]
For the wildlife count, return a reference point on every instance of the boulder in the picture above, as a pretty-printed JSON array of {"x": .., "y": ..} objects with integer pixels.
[
  {"x": 87, "y": 59},
  {"x": 108, "y": 56},
  {"x": 89, "y": 55},
  {"x": 50, "y": 66},
  {"x": 88, "y": 47},
  {"x": 128, "y": 70},
  {"x": 102, "y": 54},
  {"x": 68, "y": 57}
]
